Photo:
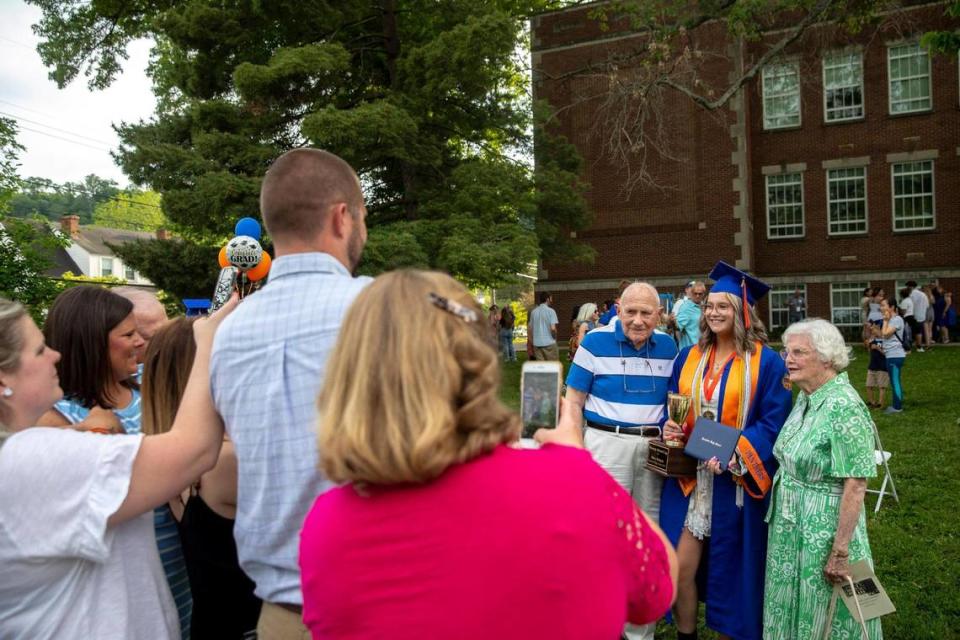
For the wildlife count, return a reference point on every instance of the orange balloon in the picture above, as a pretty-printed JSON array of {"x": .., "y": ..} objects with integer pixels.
[
  {"x": 260, "y": 271},
  {"x": 222, "y": 258}
]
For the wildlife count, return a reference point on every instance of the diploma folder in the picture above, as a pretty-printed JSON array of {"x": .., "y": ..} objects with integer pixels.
[{"x": 711, "y": 439}]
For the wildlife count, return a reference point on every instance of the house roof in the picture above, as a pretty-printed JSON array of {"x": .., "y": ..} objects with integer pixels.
[
  {"x": 62, "y": 262},
  {"x": 95, "y": 239}
]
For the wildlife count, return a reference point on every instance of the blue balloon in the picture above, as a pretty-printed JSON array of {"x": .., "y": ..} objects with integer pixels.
[{"x": 248, "y": 227}]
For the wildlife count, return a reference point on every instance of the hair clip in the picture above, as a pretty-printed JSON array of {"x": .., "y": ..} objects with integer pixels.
[{"x": 457, "y": 309}]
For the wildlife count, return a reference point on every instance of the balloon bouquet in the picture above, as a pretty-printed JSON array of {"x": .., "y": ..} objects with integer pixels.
[{"x": 243, "y": 263}]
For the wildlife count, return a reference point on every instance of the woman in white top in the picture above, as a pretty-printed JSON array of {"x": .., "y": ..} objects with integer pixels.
[{"x": 77, "y": 552}]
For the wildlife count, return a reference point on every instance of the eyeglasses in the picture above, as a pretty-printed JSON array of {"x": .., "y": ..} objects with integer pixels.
[
  {"x": 798, "y": 354},
  {"x": 646, "y": 372}
]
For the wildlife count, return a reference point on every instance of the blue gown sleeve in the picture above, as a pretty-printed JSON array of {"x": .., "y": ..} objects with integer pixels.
[{"x": 674, "y": 385}]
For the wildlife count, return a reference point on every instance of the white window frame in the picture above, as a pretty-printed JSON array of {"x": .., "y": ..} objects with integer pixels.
[
  {"x": 863, "y": 107},
  {"x": 803, "y": 214},
  {"x": 129, "y": 273},
  {"x": 782, "y": 293},
  {"x": 106, "y": 273},
  {"x": 768, "y": 70},
  {"x": 846, "y": 287},
  {"x": 866, "y": 211},
  {"x": 890, "y": 79},
  {"x": 894, "y": 196}
]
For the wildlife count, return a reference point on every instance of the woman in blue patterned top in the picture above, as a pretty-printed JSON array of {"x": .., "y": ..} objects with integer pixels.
[{"x": 95, "y": 332}]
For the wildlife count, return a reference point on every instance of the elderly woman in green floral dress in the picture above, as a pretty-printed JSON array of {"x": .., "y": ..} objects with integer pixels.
[{"x": 817, "y": 522}]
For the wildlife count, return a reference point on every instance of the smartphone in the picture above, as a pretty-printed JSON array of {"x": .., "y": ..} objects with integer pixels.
[
  {"x": 540, "y": 395},
  {"x": 226, "y": 283}
]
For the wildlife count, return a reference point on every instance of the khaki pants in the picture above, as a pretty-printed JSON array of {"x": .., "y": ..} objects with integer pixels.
[
  {"x": 551, "y": 352},
  {"x": 277, "y": 623},
  {"x": 623, "y": 458}
]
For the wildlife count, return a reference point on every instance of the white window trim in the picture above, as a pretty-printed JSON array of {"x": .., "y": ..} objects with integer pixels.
[
  {"x": 803, "y": 208},
  {"x": 866, "y": 202},
  {"x": 795, "y": 63},
  {"x": 845, "y": 285},
  {"x": 112, "y": 265},
  {"x": 933, "y": 197},
  {"x": 891, "y": 45},
  {"x": 863, "y": 89},
  {"x": 770, "y": 306}
]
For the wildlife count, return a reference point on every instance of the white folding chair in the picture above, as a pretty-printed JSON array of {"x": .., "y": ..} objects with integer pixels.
[{"x": 882, "y": 457}]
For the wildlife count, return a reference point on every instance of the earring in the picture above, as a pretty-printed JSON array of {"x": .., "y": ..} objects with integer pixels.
[{"x": 7, "y": 392}]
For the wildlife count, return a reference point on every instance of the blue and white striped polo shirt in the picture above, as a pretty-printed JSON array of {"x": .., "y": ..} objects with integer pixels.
[{"x": 624, "y": 386}]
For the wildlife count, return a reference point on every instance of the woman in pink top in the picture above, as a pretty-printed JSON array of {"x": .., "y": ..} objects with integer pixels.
[{"x": 441, "y": 529}]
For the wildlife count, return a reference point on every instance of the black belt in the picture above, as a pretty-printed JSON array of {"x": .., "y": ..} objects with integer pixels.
[{"x": 645, "y": 431}]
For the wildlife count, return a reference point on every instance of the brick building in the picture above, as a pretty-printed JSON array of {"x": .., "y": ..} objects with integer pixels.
[{"x": 833, "y": 169}]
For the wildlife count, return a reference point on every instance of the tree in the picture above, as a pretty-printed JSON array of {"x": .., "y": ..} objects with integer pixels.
[
  {"x": 9, "y": 151},
  {"x": 179, "y": 267},
  {"x": 51, "y": 200},
  {"x": 426, "y": 100},
  {"x": 945, "y": 42},
  {"x": 132, "y": 209},
  {"x": 26, "y": 253}
]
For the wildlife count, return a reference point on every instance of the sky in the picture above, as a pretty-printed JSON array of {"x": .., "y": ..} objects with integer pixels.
[{"x": 68, "y": 133}]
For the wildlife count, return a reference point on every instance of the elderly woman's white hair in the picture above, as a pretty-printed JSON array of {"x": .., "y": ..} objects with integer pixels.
[
  {"x": 586, "y": 312},
  {"x": 825, "y": 339}
]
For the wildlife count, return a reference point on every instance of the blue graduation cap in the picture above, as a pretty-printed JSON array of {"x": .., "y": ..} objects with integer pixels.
[{"x": 729, "y": 279}]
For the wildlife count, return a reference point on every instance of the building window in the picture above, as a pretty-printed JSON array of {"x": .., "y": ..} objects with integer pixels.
[
  {"x": 843, "y": 86},
  {"x": 129, "y": 273},
  {"x": 779, "y": 311},
  {"x": 106, "y": 267},
  {"x": 781, "y": 95},
  {"x": 847, "y": 200},
  {"x": 845, "y": 303},
  {"x": 909, "y": 71},
  {"x": 913, "y": 205},
  {"x": 785, "y": 205}
]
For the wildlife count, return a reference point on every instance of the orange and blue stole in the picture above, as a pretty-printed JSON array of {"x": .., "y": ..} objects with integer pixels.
[{"x": 738, "y": 395}]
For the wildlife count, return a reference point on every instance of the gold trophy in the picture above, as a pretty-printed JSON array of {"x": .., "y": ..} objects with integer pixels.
[
  {"x": 678, "y": 407},
  {"x": 667, "y": 457}
]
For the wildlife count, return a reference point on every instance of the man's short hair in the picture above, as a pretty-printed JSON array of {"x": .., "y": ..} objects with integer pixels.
[
  {"x": 299, "y": 188},
  {"x": 912, "y": 284},
  {"x": 544, "y": 296}
]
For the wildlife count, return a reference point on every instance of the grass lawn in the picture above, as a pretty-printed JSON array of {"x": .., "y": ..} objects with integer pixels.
[{"x": 916, "y": 544}]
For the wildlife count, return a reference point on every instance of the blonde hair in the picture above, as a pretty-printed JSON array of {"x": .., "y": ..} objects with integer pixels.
[
  {"x": 586, "y": 312},
  {"x": 410, "y": 388},
  {"x": 744, "y": 339},
  {"x": 166, "y": 368},
  {"x": 11, "y": 344}
]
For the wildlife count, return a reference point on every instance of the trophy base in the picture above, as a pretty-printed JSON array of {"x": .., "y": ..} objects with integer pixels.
[{"x": 670, "y": 461}]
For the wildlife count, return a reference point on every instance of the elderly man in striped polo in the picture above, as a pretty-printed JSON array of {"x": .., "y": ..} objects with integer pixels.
[{"x": 618, "y": 385}]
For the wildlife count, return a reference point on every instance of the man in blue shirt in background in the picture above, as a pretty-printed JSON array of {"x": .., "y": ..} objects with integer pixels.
[
  {"x": 688, "y": 315},
  {"x": 268, "y": 364}
]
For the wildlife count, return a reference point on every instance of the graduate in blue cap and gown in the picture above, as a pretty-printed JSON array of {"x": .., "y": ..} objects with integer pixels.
[{"x": 716, "y": 519}]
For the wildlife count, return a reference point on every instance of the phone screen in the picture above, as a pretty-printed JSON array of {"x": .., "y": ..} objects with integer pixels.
[{"x": 540, "y": 399}]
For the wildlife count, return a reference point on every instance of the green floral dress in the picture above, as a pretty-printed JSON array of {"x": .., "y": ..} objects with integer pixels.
[{"x": 827, "y": 437}]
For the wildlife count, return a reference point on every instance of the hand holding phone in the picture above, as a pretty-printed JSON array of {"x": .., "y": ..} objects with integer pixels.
[
  {"x": 226, "y": 283},
  {"x": 540, "y": 395}
]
